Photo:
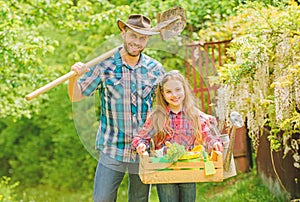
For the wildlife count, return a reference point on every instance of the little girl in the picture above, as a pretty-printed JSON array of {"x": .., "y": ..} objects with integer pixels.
[{"x": 176, "y": 118}]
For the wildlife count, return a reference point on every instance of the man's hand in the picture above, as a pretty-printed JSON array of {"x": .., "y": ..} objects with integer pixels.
[{"x": 80, "y": 68}]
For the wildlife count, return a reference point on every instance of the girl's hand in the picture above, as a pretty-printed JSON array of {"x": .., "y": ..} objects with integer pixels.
[
  {"x": 218, "y": 146},
  {"x": 209, "y": 119},
  {"x": 141, "y": 148},
  {"x": 212, "y": 120}
]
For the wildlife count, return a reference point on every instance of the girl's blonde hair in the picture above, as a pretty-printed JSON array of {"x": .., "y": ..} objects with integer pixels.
[{"x": 159, "y": 115}]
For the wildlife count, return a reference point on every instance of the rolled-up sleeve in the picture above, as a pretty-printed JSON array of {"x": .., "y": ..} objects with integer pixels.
[
  {"x": 144, "y": 135},
  {"x": 208, "y": 139}
]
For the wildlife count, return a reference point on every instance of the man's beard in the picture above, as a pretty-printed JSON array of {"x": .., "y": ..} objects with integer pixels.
[{"x": 127, "y": 49}]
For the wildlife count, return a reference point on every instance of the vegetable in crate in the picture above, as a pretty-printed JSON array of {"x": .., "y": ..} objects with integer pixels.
[{"x": 175, "y": 151}]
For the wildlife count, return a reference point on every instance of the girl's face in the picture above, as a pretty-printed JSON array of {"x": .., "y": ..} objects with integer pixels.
[{"x": 174, "y": 94}]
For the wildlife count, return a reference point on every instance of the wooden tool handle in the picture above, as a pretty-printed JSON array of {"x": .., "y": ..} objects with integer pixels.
[
  {"x": 69, "y": 75},
  {"x": 102, "y": 57},
  {"x": 50, "y": 85},
  {"x": 230, "y": 149}
]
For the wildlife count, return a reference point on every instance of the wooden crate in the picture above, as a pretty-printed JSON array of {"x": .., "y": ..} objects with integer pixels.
[{"x": 179, "y": 171}]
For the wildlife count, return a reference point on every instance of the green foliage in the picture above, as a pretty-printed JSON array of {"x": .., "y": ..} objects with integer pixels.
[
  {"x": 22, "y": 148},
  {"x": 44, "y": 149},
  {"x": 33, "y": 36},
  {"x": 214, "y": 30},
  {"x": 20, "y": 50},
  {"x": 7, "y": 189}
]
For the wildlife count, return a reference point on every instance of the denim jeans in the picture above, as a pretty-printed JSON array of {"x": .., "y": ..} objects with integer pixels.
[
  {"x": 108, "y": 177},
  {"x": 177, "y": 192}
]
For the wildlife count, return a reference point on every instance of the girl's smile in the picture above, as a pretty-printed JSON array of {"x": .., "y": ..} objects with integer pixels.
[{"x": 174, "y": 94}]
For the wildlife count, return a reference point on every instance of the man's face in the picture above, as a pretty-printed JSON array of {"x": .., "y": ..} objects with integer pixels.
[{"x": 134, "y": 43}]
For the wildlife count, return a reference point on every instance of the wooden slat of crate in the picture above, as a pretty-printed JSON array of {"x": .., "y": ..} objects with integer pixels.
[
  {"x": 151, "y": 173},
  {"x": 180, "y": 176},
  {"x": 149, "y": 166}
]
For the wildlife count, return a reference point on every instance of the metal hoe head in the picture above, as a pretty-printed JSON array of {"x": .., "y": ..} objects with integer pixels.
[
  {"x": 236, "y": 119},
  {"x": 171, "y": 22}
]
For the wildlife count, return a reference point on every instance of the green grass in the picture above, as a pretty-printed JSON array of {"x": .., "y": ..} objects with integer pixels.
[
  {"x": 243, "y": 187},
  {"x": 49, "y": 194}
]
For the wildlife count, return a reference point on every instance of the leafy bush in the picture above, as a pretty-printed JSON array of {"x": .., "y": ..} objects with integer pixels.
[{"x": 7, "y": 193}]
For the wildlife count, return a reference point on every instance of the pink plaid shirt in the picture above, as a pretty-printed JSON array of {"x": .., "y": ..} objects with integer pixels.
[{"x": 182, "y": 133}]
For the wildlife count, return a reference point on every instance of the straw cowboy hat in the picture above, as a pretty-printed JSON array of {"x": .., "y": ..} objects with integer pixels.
[{"x": 138, "y": 23}]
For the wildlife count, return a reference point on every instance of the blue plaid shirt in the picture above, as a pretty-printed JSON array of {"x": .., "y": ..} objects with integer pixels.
[{"x": 126, "y": 100}]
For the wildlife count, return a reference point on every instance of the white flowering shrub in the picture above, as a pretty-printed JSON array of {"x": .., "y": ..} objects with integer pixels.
[{"x": 261, "y": 76}]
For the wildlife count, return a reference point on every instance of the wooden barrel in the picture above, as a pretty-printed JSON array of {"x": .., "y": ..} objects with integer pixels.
[{"x": 278, "y": 173}]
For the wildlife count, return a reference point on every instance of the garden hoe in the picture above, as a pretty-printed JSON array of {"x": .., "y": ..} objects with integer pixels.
[
  {"x": 228, "y": 143},
  {"x": 237, "y": 122},
  {"x": 169, "y": 23}
]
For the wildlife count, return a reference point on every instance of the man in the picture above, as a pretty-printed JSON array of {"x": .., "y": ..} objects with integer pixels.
[{"x": 125, "y": 82}]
